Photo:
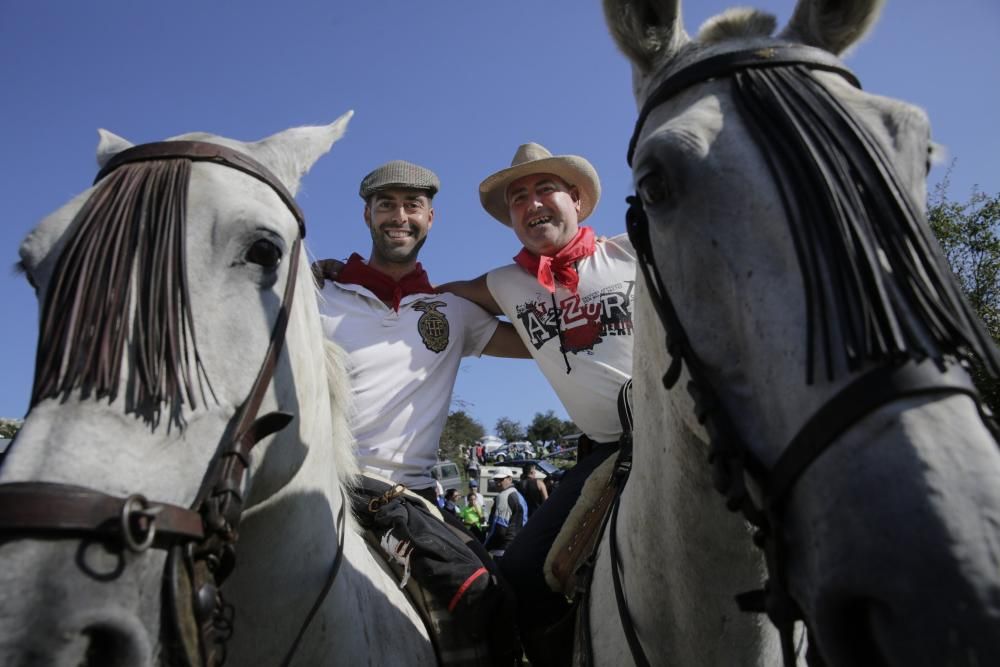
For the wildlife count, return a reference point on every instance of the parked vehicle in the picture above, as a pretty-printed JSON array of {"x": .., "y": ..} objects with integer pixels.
[
  {"x": 449, "y": 475},
  {"x": 490, "y": 444},
  {"x": 519, "y": 449}
]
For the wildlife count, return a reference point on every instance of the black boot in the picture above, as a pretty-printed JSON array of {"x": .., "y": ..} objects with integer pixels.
[{"x": 552, "y": 646}]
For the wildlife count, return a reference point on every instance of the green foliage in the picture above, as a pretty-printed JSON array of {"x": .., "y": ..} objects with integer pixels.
[
  {"x": 9, "y": 427},
  {"x": 509, "y": 430},
  {"x": 459, "y": 429},
  {"x": 969, "y": 234},
  {"x": 544, "y": 427},
  {"x": 547, "y": 427}
]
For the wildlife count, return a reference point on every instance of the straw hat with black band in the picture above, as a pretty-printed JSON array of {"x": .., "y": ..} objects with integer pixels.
[{"x": 536, "y": 159}]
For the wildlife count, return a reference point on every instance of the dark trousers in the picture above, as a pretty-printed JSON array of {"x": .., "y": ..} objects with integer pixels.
[{"x": 522, "y": 564}]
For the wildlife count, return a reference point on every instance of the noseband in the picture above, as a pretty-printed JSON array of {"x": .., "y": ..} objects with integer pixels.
[
  {"x": 200, "y": 541},
  {"x": 732, "y": 460}
]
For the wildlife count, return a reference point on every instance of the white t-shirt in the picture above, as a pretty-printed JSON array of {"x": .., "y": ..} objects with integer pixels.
[
  {"x": 402, "y": 368},
  {"x": 595, "y": 325}
]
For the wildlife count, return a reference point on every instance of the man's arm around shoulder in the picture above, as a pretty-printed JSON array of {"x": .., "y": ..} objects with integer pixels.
[
  {"x": 505, "y": 341},
  {"x": 476, "y": 291}
]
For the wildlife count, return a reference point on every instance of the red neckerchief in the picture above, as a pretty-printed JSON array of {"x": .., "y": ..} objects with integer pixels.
[
  {"x": 357, "y": 272},
  {"x": 560, "y": 266}
]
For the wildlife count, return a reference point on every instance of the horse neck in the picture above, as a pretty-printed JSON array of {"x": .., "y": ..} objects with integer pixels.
[
  {"x": 684, "y": 556},
  {"x": 289, "y": 539}
]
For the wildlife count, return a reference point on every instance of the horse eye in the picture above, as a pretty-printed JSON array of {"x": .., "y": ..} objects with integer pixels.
[
  {"x": 653, "y": 189},
  {"x": 265, "y": 253}
]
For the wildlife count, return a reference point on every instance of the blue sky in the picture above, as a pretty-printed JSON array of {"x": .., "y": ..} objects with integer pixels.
[{"x": 454, "y": 85}]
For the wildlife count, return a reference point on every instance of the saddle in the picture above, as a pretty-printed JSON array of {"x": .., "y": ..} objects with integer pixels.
[
  {"x": 466, "y": 608},
  {"x": 579, "y": 536}
]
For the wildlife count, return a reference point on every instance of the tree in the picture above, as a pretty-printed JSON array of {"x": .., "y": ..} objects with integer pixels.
[
  {"x": 969, "y": 234},
  {"x": 546, "y": 427},
  {"x": 9, "y": 427},
  {"x": 509, "y": 430},
  {"x": 459, "y": 429}
]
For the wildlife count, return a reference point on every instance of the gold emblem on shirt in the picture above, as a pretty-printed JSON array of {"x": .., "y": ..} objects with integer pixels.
[{"x": 432, "y": 325}]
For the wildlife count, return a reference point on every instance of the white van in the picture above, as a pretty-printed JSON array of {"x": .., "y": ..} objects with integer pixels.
[{"x": 490, "y": 444}]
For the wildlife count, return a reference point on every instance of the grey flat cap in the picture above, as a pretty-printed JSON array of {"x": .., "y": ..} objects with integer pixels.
[{"x": 399, "y": 174}]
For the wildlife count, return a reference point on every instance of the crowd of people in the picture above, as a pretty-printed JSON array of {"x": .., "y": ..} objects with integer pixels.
[{"x": 513, "y": 505}]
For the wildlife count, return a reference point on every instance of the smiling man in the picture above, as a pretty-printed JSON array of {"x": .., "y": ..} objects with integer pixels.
[
  {"x": 570, "y": 298},
  {"x": 403, "y": 339}
]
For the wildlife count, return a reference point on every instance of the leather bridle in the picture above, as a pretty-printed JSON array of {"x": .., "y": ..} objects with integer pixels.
[
  {"x": 200, "y": 541},
  {"x": 732, "y": 460}
]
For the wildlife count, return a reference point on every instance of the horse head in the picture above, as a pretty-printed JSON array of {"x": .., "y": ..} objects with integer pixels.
[
  {"x": 179, "y": 327},
  {"x": 780, "y": 216}
]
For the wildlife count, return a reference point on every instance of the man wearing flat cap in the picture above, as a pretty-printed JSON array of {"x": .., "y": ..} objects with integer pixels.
[
  {"x": 570, "y": 297},
  {"x": 403, "y": 339}
]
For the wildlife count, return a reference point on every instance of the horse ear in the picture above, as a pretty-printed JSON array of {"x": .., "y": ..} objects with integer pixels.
[
  {"x": 648, "y": 32},
  {"x": 109, "y": 145},
  {"x": 291, "y": 153},
  {"x": 832, "y": 25}
]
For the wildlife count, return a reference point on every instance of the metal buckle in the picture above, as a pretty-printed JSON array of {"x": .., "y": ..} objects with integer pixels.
[{"x": 138, "y": 523}]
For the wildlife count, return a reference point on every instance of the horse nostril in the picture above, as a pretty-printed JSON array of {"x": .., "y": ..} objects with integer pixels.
[{"x": 112, "y": 646}]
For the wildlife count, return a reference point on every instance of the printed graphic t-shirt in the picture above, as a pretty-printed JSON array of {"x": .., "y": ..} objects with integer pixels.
[
  {"x": 590, "y": 331},
  {"x": 402, "y": 368}
]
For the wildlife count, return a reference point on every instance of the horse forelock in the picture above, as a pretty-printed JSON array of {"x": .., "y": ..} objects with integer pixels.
[
  {"x": 736, "y": 23},
  {"x": 120, "y": 287}
]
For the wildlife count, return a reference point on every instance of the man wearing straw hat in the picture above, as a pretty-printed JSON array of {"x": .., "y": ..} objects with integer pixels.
[{"x": 570, "y": 298}]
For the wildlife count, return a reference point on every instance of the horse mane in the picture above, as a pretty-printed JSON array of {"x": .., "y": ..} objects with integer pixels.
[
  {"x": 340, "y": 409},
  {"x": 874, "y": 276},
  {"x": 127, "y": 246}
]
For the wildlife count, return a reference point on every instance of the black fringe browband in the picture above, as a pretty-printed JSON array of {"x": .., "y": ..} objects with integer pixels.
[
  {"x": 874, "y": 276},
  {"x": 121, "y": 282}
]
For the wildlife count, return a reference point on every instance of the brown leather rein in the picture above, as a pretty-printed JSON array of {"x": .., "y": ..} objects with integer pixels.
[{"x": 200, "y": 540}]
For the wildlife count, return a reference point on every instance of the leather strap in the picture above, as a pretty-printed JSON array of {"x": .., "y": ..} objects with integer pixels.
[
  {"x": 727, "y": 63},
  {"x": 203, "y": 151},
  {"x": 634, "y": 645},
  {"x": 47, "y": 507},
  {"x": 860, "y": 398}
]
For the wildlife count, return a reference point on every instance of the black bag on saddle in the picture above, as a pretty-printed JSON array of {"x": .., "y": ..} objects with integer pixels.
[{"x": 433, "y": 552}]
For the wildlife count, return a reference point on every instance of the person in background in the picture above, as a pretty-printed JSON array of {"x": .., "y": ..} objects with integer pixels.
[
  {"x": 473, "y": 516},
  {"x": 474, "y": 490},
  {"x": 533, "y": 489},
  {"x": 472, "y": 465},
  {"x": 451, "y": 501},
  {"x": 508, "y": 515}
]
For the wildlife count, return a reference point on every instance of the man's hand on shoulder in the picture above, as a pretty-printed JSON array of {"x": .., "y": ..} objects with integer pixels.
[{"x": 326, "y": 269}]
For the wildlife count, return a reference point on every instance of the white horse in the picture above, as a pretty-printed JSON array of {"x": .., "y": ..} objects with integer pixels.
[
  {"x": 761, "y": 225},
  {"x": 149, "y": 417}
]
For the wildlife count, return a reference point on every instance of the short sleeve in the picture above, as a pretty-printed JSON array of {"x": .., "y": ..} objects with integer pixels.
[
  {"x": 479, "y": 328},
  {"x": 625, "y": 243}
]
